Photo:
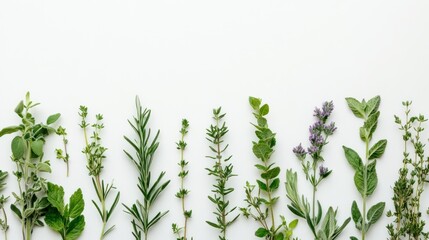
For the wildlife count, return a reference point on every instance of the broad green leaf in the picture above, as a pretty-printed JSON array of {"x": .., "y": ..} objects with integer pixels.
[
  {"x": 356, "y": 215},
  {"x": 353, "y": 158},
  {"x": 53, "y": 118},
  {"x": 371, "y": 124},
  {"x": 265, "y": 109},
  {"x": 18, "y": 147},
  {"x": 255, "y": 102},
  {"x": 372, "y": 178},
  {"x": 54, "y": 220},
  {"x": 77, "y": 204},
  {"x": 9, "y": 130},
  {"x": 372, "y": 105},
  {"x": 44, "y": 167},
  {"x": 377, "y": 150},
  {"x": 56, "y": 197},
  {"x": 356, "y": 107},
  {"x": 262, "y": 151},
  {"x": 75, "y": 228},
  {"x": 272, "y": 173},
  {"x": 375, "y": 212},
  {"x": 261, "y": 232},
  {"x": 37, "y": 147},
  {"x": 19, "y": 108},
  {"x": 262, "y": 185}
]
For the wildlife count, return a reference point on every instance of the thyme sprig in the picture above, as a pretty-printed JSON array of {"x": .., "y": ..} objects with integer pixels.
[{"x": 63, "y": 154}]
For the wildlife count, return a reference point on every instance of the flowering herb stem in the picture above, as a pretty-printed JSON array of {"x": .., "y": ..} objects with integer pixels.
[
  {"x": 95, "y": 155},
  {"x": 319, "y": 133},
  {"x": 365, "y": 172}
]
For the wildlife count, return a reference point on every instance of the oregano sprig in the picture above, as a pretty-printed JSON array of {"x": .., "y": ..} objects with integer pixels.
[
  {"x": 27, "y": 153},
  {"x": 222, "y": 171},
  {"x": 4, "y": 226},
  {"x": 66, "y": 219},
  {"x": 95, "y": 155},
  {"x": 315, "y": 173},
  {"x": 365, "y": 171},
  {"x": 182, "y": 232},
  {"x": 63, "y": 154},
  {"x": 413, "y": 176},
  {"x": 260, "y": 207},
  {"x": 145, "y": 147}
]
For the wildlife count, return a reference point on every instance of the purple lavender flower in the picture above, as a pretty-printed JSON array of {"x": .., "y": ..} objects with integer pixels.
[
  {"x": 325, "y": 112},
  {"x": 329, "y": 129},
  {"x": 299, "y": 152},
  {"x": 316, "y": 139},
  {"x": 317, "y": 127},
  {"x": 323, "y": 170},
  {"x": 312, "y": 150}
]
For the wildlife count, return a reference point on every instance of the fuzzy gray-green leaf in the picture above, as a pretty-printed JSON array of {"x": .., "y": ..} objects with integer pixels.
[
  {"x": 377, "y": 150},
  {"x": 356, "y": 107}
]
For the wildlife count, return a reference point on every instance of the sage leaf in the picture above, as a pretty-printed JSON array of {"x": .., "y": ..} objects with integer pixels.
[
  {"x": 353, "y": 158},
  {"x": 375, "y": 212},
  {"x": 377, "y": 150},
  {"x": 356, "y": 107},
  {"x": 18, "y": 147}
]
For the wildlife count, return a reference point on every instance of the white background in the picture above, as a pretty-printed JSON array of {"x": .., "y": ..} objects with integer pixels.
[{"x": 183, "y": 58}]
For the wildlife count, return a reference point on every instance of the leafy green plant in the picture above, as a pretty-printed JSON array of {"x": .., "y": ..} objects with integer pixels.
[
  {"x": 408, "y": 189},
  {"x": 3, "y": 220},
  {"x": 319, "y": 134},
  {"x": 95, "y": 155},
  {"x": 145, "y": 147},
  {"x": 365, "y": 177},
  {"x": 62, "y": 154},
  {"x": 66, "y": 219},
  {"x": 222, "y": 170},
  {"x": 27, "y": 153},
  {"x": 183, "y": 192},
  {"x": 260, "y": 207}
]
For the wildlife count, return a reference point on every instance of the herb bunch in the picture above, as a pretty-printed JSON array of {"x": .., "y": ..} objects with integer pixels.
[
  {"x": 145, "y": 147},
  {"x": 3, "y": 220},
  {"x": 63, "y": 154},
  {"x": 260, "y": 207},
  {"x": 95, "y": 155},
  {"x": 27, "y": 153},
  {"x": 66, "y": 219},
  {"x": 365, "y": 172},
  {"x": 183, "y": 192},
  {"x": 222, "y": 170},
  {"x": 319, "y": 133},
  {"x": 407, "y": 221}
]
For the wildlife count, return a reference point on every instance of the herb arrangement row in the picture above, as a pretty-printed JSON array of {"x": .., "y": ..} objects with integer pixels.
[{"x": 37, "y": 202}]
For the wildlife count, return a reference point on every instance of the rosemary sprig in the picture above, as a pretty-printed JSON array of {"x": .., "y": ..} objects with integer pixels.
[
  {"x": 183, "y": 192},
  {"x": 94, "y": 153},
  {"x": 27, "y": 153},
  {"x": 3, "y": 220},
  {"x": 63, "y": 154},
  {"x": 365, "y": 172},
  {"x": 319, "y": 134},
  {"x": 260, "y": 207},
  {"x": 145, "y": 147},
  {"x": 222, "y": 171},
  {"x": 413, "y": 174}
]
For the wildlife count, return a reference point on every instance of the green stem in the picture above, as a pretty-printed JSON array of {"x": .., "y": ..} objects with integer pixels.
[
  {"x": 103, "y": 205},
  {"x": 5, "y": 222},
  {"x": 270, "y": 207},
  {"x": 314, "y": 190},
  {"x": 28, "y": 231},
  {"x": 365, "y": 170}
]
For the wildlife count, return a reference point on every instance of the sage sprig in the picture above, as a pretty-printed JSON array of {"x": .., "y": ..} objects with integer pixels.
[
  {"x": 145, "y": 147},
  {"x": 95, "y": 155},
  {"x": 365, "y": 172},
  {"x": 66, "y": 219},
  {"x": 315, "y": 173},
  {"x": 182, "y": 232},
  {"x": 260, "y": 207},
  {"x": 27, "y": 153},
  {"x": 408, "y": 189},
  {"x": 63, "y": 154},
  {"x": 4, "y": 226},
  {"x": 222, "y": 171}
]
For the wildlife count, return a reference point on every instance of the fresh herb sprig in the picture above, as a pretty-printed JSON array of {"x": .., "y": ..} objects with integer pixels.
[
  {"x": 95, "y": 155},
  {"x": 27, "y": 153},
  {"x": 260, "y": 207},
  {"x": 222, "y": 170},
  {"x": 66, "y": 219},
  {"x": 365, "y": 172},
  {"x": 4, "y": 226},
  {"x": 63, "y": 154},
  {"x": 407, "y": 222},
  {"x": 182, "y": 232},
  {"x": 319, "y": 134},
  {"x": 145, "y": 147}
]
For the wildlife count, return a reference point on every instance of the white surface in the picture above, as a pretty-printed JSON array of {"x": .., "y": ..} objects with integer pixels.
[{"x": 184, "y": 58}]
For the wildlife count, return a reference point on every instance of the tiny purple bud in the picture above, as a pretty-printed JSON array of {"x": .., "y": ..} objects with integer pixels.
[
  {"x": 312, "y": 150},
  {"x": 323, "y": 170},
  {"x": 330, "y": 129},
  {"x": 299, "y": 152}
]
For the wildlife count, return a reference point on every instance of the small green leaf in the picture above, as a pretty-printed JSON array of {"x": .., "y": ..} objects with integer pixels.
[
  {"x": 16, "y": 211},
  {"x": 262, "y": 151},
  {"x": 270, "y": 174},
  {"x": 19, "y": 108},
  {"x": 353, "y": 158},
  {"x": 293, "y": 224},
  {"x": 377, "y": 150},
  {"x": 53, "y": 118},
  {"x": 255, "y": 102},
  {"x": 275, "y": 184},
  {"x": 37, "y": 147},
  {"x": 56, "y": 197},
  {"x": 262, "y": 185},
  {"x": 279, "y": 236},
  {"x": 354, "y": 238},
  {"x": 54, "y": 220},
  {"x": 356, "y": 215},
  {"x": 75, "y": 228},
  {"x": 44, "y": 167},
  {"x": 18, "y": 147},
  {"x": 77, "y": 204},
  {"x": 372, "y": 105},
  {"x": 372, "y": 178},
  {"x": 265, "y": 109},
  {"x": 261, "y": 232},
  {"x": 9, "y": 130},
  {"x": 356, "y": 107},
  {"x": 375, "y": 212}
]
